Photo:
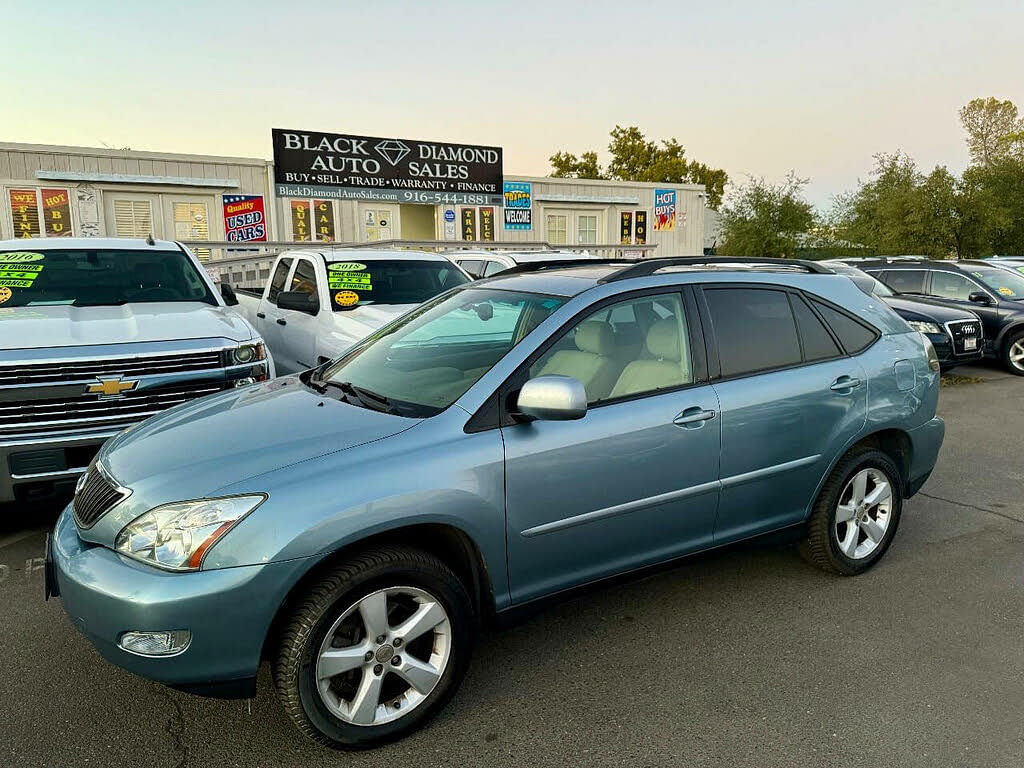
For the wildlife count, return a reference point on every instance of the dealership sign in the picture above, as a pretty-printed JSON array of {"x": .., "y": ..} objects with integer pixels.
[
  {"x": 344, "y": 167},
  {"x": 244, "y": 218}
]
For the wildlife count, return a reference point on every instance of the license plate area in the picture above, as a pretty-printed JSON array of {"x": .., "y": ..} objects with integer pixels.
[{"x": 970, "y": 344}]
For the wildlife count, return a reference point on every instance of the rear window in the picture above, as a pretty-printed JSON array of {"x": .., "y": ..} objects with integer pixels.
[
  {"x": 400, "y": 281},
  {"x": 818, "y": 342},
  {"x": 904, "y": 280},
  {"x": 854, "y": 335},
  {"x": 90, "y": 277},
  {"x": 754, "y": 328}
]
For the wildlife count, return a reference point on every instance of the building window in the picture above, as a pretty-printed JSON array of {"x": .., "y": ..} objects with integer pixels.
[
  {"x": 586, "y": 229},
  {"x": 191, "y": 222},
  {"x": 557, "y": 228},
  {"x": 41, "y": 212},
  {"x": 133, "y": 218}
]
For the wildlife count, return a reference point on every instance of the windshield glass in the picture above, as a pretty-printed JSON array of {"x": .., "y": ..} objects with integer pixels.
[
  {"x": 1002, "y": 281},
  {"x": 100, "y": 277},
  {"x": 401, "y": 281},
  {"x": 423, "y": 362}
]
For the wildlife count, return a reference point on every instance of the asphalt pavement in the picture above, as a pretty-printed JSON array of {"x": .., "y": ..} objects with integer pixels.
[{"x": 744, "y": 657}]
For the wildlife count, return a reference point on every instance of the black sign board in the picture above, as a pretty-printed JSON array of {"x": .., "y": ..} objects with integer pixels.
[
  {"x": 626, "y": 227},
  {"x": 641, "y": 227},
  {"x": 343, "y": 167},
  {"x": 469, "y": 224}
]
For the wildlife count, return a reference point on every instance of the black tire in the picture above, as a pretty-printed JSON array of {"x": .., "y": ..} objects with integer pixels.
[
  {"x": 820, "y": 546},
  {"x": 1011, "y": 339},
  {"x": 294, "y": 666}
]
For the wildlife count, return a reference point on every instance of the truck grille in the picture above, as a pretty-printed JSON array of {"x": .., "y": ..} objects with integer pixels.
[
  {"x": 86, "y": 410},
  {"x": 961, "y": 330},
  {"x": 94, "y": 497},
  {"x": 88, "y": 370}
]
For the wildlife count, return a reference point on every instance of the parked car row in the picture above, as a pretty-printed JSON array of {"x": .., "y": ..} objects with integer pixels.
[{"x": 506, "y": 440}]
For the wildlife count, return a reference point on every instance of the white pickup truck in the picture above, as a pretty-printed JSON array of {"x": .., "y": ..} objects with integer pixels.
[
  {"x": 319, "y": 302},
  {"x": 98, "y": 335}
]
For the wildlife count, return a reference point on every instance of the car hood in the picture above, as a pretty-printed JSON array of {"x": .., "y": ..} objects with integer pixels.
[
  {"x": 37, "y": 327},
  {"x": 192, "y": 450},
  {"x": 928, "y": 309}
]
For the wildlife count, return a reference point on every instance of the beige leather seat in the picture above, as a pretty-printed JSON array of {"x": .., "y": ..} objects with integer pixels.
[
  {"x": 669, "y": 366},
  {"x": 593, "y": 362}
]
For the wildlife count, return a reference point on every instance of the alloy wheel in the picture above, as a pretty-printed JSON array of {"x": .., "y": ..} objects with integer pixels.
[
  {"x": 1016, "y": 354},
  {"x": 383, "y": 656},
  {"x": 863, "y": 513}
]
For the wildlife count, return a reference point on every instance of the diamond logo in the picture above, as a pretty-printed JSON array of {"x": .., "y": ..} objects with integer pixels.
[{"x": 392, "y": 150}]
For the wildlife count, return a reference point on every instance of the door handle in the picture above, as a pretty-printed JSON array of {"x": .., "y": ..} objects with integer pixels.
[
  {"x": 693, "y": 418},
  {"x": 845, "y": 384},
  {"x": 282, "y": 321},
  {"x": 261, "y": 316}
]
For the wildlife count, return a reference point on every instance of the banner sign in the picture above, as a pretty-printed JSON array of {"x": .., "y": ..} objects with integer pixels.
[
  {"x": 487, "y": 224},
  {"x": 626, "y": 227},
  {"x": 24, "y": 212},
  {"x": 469, "y": 223},
  {"x": 345, "y": 167},
  {"x": 640, "y": 230},
  {"x": 664, "y": 209},
  {"x": 518, "y": 205},
  {"x": 245, "y": 219},
  {"x": 300, "y": 219},
  {"x": 324, "y": 220},
  {"x": 57, "y": 212}
]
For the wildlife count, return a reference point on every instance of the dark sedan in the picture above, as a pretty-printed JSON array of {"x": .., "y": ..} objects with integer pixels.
[{"x": 956, "y": 334}]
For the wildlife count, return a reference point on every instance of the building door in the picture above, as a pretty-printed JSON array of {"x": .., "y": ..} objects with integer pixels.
[
  {"x": 130, "y": 215},
  {"x": 190, "y": 219},
  {"x": 378, "y": 224}
]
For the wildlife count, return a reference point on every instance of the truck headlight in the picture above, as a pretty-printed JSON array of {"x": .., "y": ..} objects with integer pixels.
[
  {"x": 248, "y": 353},
  {"x": 924, "y": 327},
  {"x": 176, "y": 536}
]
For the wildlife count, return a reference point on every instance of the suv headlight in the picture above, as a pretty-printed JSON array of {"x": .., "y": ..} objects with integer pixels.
[
  {"x": 177, "y": 536},
  {"x": 247, "y": 353},
  {"x": 924, "y": 327}
]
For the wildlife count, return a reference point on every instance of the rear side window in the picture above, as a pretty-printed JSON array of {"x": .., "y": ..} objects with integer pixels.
[
  {"x": 754, "y": 328},
  {"x": 493, "y": 268},
  {"x": 855, "y": 336},
  {"x": 475, "y": 267},
  {"x": 904, "y": 280},
  {"x": 277, "y": 281},
  {"x": 818, "y": 342}
]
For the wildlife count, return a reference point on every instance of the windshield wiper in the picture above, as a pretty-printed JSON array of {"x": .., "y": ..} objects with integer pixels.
[{"x": 365, "y": 397}]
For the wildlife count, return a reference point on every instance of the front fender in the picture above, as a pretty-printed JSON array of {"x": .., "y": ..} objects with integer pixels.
[{"x": 435, "y": 474}]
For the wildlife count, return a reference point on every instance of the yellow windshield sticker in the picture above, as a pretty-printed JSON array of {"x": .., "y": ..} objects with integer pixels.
[
  {"x": 1005, "y": 291},
  {"x": 19, "y": 275},
  {"x": 5, "y": 294},
  {"x": 349, "y": 281},
  {"x": 346, "y": 298},
  {"x": 20, "y": 256},
  {"x": 346, "y": 266}
]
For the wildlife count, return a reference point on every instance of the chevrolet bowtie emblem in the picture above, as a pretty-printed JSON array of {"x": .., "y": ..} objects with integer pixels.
[{"x": 111, "y": 387}]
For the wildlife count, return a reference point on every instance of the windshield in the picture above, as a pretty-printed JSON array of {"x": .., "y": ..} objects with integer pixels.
[
  {"x": 401, "y": 281},
  {"x": 424, "y": 361},
  {"x": 100, "y": 277},
  {"x": 1002, "y": 281}
]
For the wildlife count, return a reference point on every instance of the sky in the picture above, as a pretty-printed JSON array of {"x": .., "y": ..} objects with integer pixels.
[{"x": 753, "y": 87}]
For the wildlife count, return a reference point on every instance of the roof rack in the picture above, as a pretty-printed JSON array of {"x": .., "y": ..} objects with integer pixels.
[
  {"x": 537, "y": 266},
  {"x": 647, "y": 267}
]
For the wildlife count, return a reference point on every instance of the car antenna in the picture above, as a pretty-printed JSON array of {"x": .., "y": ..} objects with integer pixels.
[{"x": 150, "y": 240}]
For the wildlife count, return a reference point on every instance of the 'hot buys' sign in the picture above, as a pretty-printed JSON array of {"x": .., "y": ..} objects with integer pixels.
[{"x": 245, "y": 219}]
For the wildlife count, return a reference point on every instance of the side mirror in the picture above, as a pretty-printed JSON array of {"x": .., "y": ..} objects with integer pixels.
[
  {"x": 228, "y": 294},
  {"x": 552, "y": 398},
  {"x": 299, "y": 301},
  {"x": 980, "y": 297}
]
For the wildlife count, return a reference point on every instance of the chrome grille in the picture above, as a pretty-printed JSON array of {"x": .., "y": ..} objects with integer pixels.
[
  {"x": 965, "y": 329},
  {"x": 88, "y": 410},
  {"x": 94, "y": 497},
  {"x": 88, "y": 370}
]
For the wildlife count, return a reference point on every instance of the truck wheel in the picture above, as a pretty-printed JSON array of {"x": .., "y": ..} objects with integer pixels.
[
  {"x": 1013, "y": 354},
  {"x": 375, "y": 648},
  {"x": 856, "y": 514}
]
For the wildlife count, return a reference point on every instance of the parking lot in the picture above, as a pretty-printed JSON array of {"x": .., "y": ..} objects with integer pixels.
[{"x": 743, "y": 657}]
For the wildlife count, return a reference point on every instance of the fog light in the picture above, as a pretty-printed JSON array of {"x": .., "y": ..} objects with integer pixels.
[
  {"x": 245, "y": 382},
  {"x": 165, "y": 643}
]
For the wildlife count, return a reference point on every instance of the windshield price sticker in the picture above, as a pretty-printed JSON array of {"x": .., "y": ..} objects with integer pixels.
[
  {"x": 5, "y": 294},
  {"x": 346, "y": 298},
  {"x": 20, "y": 256},
  {"x": 346, "y": 266},
  {"x": 1005, "y": 291},
  {"x": 349, "y": 281}
]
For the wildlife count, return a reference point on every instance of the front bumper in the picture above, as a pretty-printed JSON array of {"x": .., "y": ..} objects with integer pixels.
[
  {"x": 948, "y": 357},
  {"x": 925, "y": 442},
  {"x": 60, "y": 459},
  {"x": 228, "y": 611}
]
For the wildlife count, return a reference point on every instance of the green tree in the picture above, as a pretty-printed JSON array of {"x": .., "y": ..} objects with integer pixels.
[
  {"x": 636, "y": 158},
  {"x": 765, "y": 219},
  {"x": 994, "y": 130}
]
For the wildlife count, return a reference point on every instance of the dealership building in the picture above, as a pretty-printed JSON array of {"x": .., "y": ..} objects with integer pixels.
[{"x": 332, "y": 187}]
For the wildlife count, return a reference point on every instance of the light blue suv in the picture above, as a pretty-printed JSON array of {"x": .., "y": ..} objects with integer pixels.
[{"x": 510, "y": 439}]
